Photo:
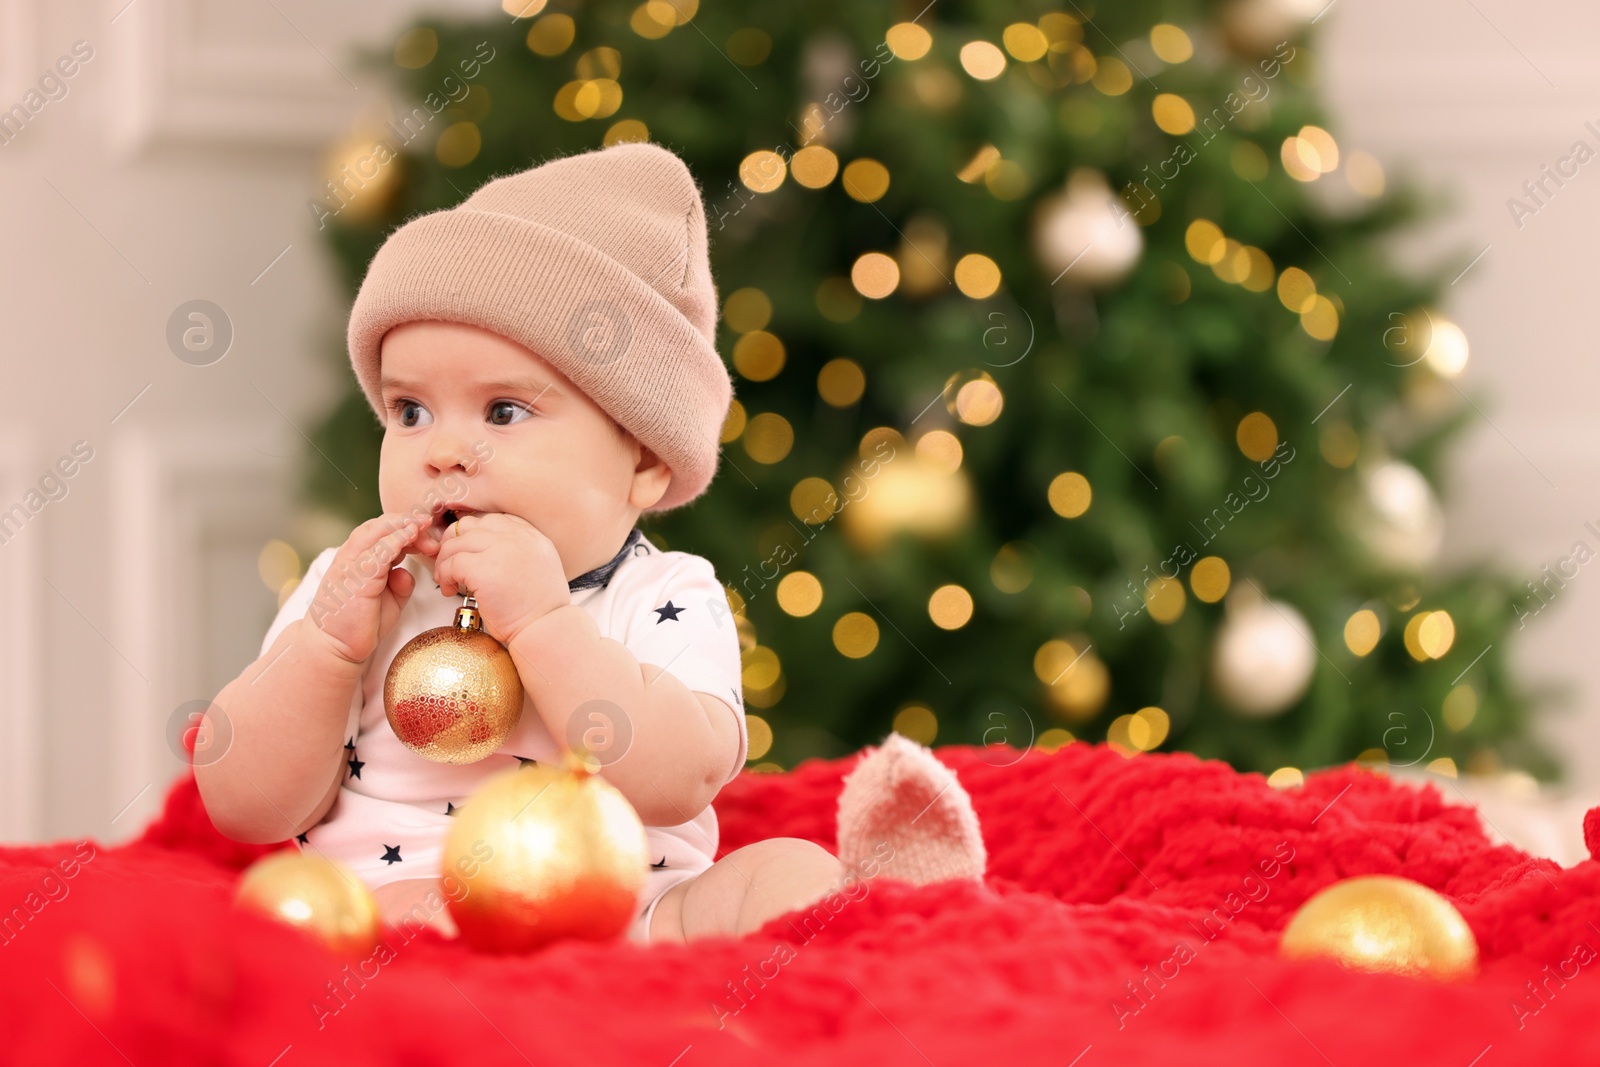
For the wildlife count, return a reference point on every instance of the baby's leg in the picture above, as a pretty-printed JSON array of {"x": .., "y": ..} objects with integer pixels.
[
  {"x": 745, "y": 889},
  {"x": 413, "y": 903}
]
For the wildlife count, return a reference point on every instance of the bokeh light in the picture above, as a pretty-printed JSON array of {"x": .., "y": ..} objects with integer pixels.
[
  {"x": 866, "y": 180},
  {"x": 950, "y": 607},
  {"x": 907, "y": 40},
  {"x": 1361, "y": 631},
  {"x": 940, "y": 449},
  {"x": 814, "y": 166},
  {"x": 982, "y": 60},
  {"x": 1209, "y": 578},
  {"x": 1170, "y": 44},
  {"x": 799, "y": 593},
  {"x": 841, "y": 382},
  {"x": 855, "y": 634},
  {"x": 758, "y": 355},
  {"x": 768, "y": 437},
  {"x": 1257, "y": 436},
  {"x": 813, "y": 500},
  {"x": 977, "y": 276},
  {"x": 875, "y": 275},
  {"x": 734, "y": 424},
  {"x": 1070, "y": 494},
  {"x": 747, "y": 309},
  {"x": 762, "y": 171},
  {"x": 917, "y": 722}
]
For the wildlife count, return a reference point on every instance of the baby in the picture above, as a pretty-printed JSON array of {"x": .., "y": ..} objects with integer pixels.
[{"x": 542, "y": 358}]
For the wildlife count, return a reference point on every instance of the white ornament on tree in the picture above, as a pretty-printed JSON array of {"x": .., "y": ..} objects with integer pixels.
[
  {"x": 1264, "y": 656},
  {"x": 1398, "y": 517},
  {"x": 1256, "y": 27},
  {"x": 1086, "y": 233}
]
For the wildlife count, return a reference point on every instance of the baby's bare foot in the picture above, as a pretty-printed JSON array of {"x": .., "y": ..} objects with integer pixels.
[{"x": 899, "y": 794}]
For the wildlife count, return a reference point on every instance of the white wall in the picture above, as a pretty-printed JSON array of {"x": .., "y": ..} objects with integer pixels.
[
  {"x": 179, "y": 165},
  {"x": 1475, "y": 99}
]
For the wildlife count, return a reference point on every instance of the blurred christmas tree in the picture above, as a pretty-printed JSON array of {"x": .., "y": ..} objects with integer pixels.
[{"x": 1075, "y": 393}]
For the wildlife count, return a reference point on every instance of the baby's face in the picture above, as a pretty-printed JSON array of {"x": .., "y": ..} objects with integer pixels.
[{"x": 475, "y": 421}]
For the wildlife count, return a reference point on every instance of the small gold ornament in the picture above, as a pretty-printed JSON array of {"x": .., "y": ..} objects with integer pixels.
[
  {"x": 314, "y": 894},
  {"x": 1380, "y": 922},
  {"x": 452, "y": 694},
  {"x": 545, "y": 853},
  {"x": 914, "y": 495}
]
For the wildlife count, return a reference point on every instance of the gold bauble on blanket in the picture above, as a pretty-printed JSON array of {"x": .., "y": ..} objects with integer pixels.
[
  {"x": 452, "y": 694},
  {"x": 553, "y": 853},
  {"x": 314, "y": 894},
  {"x": 1380, "y": 922}
]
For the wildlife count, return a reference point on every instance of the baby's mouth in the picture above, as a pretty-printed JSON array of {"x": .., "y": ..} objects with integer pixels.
[{"x": 442, "y": 521}]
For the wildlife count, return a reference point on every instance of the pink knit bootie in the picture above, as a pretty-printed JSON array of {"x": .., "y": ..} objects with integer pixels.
[{"x": 899, "y": 794}]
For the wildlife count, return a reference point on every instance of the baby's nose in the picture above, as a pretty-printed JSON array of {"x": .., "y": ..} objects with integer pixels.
[{"x": 452, "y": 455}]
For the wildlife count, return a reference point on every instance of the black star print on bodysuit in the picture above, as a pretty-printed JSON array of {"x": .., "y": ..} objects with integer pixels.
[
  {"x": 354, "y": 764},
  {"x": 391, "y": 854},
  {"x": 660, "y": 865},
  {"x": 302, "y": 839},
  {"x": 449, "y": 808},
  {"x": 668, "y": 612}
]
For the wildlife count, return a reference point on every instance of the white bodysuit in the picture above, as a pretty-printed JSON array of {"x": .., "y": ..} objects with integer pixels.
[{"x": 394, "y": 807}]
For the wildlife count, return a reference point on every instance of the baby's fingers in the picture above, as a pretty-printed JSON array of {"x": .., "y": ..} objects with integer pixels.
[
  {"x": 393, "y": 545},
  {"x": 401, "y": 584},
  {"x": 368, "y": 534},
  {"x": 399, "y": 590},
  {"x": 370, "y": 567}
]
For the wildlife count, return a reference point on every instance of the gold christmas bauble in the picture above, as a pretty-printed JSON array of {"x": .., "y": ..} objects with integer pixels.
[
  {"x": 909, "y": 494},
  {"x": 1379, "y": 922},
  {"x": 452, "y": 694},
  {"x": 545, "y": 853},
  {"x": 312, "y": 893}
]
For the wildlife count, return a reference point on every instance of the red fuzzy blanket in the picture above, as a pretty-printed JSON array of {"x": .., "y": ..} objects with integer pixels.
[{"x": 1100, "y": 869}]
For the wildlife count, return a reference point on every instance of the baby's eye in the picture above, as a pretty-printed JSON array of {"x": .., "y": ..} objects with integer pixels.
[
  {"x": 409, "y": 412},
  {"x": 507, "y": 409}
]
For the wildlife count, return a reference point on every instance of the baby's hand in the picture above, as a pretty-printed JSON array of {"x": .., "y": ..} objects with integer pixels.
[
  {"x": 511, "y": 568},
  {"x": 361, "y": 597}
]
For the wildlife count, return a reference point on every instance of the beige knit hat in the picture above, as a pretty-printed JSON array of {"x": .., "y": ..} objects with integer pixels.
[{"x": 598, "y": 262}]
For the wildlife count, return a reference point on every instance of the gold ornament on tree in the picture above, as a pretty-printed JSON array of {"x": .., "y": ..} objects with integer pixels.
[
  {"x": 452, "y": 694},
  {"x": 1380, "y": 922},
  {"x": 316, "y": 895},
  {"x": 361, "y": 175},
  {"x": 546, "y": 853}
]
